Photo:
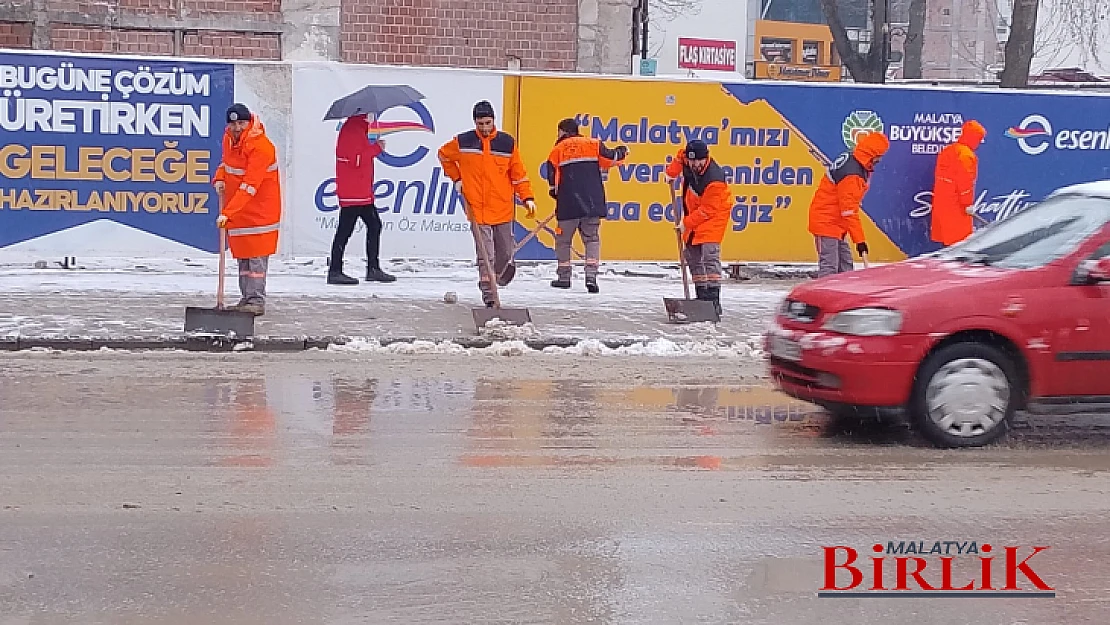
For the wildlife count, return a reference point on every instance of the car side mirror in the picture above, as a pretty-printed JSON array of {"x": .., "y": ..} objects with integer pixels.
[{"x": 1095, "y": 271}]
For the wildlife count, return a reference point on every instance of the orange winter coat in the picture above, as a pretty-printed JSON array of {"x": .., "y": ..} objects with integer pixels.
[
  {"x": 706, "y": 200},
  {"x": 836, "y": 205},
  {"x": 491, "y": 172},
  {"x": 954, "y": 186},
  {"x": 252, "y": 192}
]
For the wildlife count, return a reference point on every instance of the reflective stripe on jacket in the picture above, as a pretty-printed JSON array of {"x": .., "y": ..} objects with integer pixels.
[
  {"x": 573, "y": 171},
  {"x": 252, "y": 192},
  {"x": 706, "y": 200},
  {"x": 491, "y": 173}
]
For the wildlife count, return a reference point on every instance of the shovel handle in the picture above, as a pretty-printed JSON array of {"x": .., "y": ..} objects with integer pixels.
[
  {"x": 532, "y": 234},
  {"x": 866, "y": 264},
  {"x": 681, "y": 247},
  {"x": 483, "y": 254},
  {"x": 981, "y": 220},
  {"x": 223, "y": 256}
]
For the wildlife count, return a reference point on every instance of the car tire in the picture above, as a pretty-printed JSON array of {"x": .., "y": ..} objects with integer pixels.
[{"x": 965, "y": 395}]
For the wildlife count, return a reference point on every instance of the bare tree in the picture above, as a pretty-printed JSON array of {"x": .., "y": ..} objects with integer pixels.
[
  {"x": 915, "y": 40},
  {"x": 869, "y": 67},
  {"x": 1086, "y": 24},
  {"x": 669, "y": 10},
  {"x": 1019, "y": 47}
]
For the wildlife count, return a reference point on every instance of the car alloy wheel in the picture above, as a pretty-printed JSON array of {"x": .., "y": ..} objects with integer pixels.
[{"x": 967, "y": 397}]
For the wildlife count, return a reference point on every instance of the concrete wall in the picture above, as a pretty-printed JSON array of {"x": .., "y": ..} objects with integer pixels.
[{"x": 960, "y": 39}]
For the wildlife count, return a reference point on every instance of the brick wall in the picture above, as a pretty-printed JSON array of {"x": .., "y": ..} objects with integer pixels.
[
  {"x": 78, "y": 38},
  {"x": 223, "y": 45},
  {"x": 477, "y": 33},
  {"x": 15, "y": 34}
]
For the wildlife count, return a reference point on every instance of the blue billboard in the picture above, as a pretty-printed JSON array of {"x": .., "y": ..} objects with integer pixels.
[{"x": 134, "y": 141}]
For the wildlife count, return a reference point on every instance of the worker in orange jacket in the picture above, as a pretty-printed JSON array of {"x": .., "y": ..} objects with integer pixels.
[
  {"x": 486, "y": 168},
  {"x": 954, "y": 186},
  {"x": 834, "y": 211},
  {"x": 250, "y": 203},
  {"x": 574, "y": 173},
  {"x": 706, "y": 206}
]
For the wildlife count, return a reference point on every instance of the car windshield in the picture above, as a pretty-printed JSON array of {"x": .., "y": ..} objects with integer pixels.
[{"x": 1036, "y": 236}]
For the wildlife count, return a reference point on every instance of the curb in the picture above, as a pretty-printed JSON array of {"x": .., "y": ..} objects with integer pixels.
[{"x": 269, "y": 344}]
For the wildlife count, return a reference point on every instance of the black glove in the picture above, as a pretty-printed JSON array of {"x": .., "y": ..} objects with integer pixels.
[
  {"x": 861, "y": 248},
  {"x": 622, "y": 151},
  {"x": 552, "y": 193}
]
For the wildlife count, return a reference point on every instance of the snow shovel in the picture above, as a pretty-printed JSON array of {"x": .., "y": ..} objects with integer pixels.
[
  {"x": 686, "y": 310},
  {"x": 219, "y": 321},
  {"x": 511, "y": 316},
  {"x": 509, "y": 272}
]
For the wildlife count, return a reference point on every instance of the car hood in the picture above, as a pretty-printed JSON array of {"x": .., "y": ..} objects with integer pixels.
[{"x": 894, "y": 283}]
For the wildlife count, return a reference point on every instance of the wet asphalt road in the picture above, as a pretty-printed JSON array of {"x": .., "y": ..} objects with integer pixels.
[{"x": 328, "y": 489}]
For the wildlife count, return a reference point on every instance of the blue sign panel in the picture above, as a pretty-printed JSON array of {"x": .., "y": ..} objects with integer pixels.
[{"x": 128, "y": 140}]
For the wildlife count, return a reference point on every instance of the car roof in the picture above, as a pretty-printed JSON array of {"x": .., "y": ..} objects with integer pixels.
[{"x": 1098, "y": 188}]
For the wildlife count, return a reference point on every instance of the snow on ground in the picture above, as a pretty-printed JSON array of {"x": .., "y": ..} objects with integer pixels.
[{"x": 141, "y": 297}]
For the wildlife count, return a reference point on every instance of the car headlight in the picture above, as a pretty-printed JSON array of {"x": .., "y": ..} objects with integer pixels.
[{"x": 866, "y": 322}]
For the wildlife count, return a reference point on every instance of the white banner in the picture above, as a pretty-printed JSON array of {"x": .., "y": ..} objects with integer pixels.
[{"x": 421, "y": 214}]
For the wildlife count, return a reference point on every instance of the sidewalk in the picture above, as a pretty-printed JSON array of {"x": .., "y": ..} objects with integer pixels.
[{"x": 143, "y": 301}]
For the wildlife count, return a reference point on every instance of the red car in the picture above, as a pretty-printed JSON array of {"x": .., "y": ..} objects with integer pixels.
[{"x": 962, "y": 338}]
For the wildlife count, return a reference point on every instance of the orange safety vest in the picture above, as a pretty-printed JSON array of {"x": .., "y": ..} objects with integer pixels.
[
  {"x": 252, "y": 192},
  {"x": 491, "y": 172}
]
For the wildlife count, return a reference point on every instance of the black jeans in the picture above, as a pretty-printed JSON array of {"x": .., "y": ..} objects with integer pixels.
[{"x": 348, "y": 218}]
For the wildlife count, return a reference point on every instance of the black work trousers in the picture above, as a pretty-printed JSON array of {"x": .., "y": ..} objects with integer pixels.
[{"x": 348, "y": 218}]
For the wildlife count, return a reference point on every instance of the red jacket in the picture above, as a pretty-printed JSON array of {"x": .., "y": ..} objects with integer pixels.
[{"x": 354, "y": 163}]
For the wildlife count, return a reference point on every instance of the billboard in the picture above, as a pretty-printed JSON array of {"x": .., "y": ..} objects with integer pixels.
[
  {"x": 422, "y": 215},
  {"x": 109, "y": 153},
  {"x": 772, "y": 167},
  {"x": 775, "y": 140}
]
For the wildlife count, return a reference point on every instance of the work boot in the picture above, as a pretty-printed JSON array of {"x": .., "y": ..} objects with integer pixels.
[
  {"x": 591, "y": 285},
  {"x": 255, "y": 309},
  {"x": 715, "y": 296},
  {"x": 507, "y": 274},
  {"x": 341, "y": 278},
  {"x": 374, "y": 274},
  {"x": 561, "y": 283}
]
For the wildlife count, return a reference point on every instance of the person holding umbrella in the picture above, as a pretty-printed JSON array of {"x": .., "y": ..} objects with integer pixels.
[
  {"x": 354, "y": 187},
  {"x": 354, "y": 173},
  {"x": 486, "y": 168}
]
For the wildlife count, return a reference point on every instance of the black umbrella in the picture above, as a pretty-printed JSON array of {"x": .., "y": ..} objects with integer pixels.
[{"x": 372, "y": 100}]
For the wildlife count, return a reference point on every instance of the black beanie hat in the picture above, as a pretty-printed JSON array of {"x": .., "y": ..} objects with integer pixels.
[
  {"x": 569, "y": 126},
  {"x": 238, "y": 112},
  {"x": 697, "y": 149},
  {"x": 483, "y": 109}
]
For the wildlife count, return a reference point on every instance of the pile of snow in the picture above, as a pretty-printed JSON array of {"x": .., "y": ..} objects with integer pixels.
[
  {"x": 748, "y": 349},
  {"x": 498, "y": 330},
  {"x": 375, "y": 346}
]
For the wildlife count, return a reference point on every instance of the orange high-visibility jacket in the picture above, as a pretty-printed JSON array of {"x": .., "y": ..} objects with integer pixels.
[
  {"x": 491, "y": 172},
  {"x": 574, "y": 173},
  {"x": 836, "y": 205},
  {"x": 706, "y": 200},
  {"x": 252, "y": 192},
  {"x": 954, "y": 186}
]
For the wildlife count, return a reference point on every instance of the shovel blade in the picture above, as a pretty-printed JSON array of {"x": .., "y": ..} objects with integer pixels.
[
  {"x": 690, "y": 310},
  {"x": 511, "y": 316},
  {"x": 219, "y": 322}
]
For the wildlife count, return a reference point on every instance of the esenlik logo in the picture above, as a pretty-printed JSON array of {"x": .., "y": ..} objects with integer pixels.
[{"x": 932, "y": 569}]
